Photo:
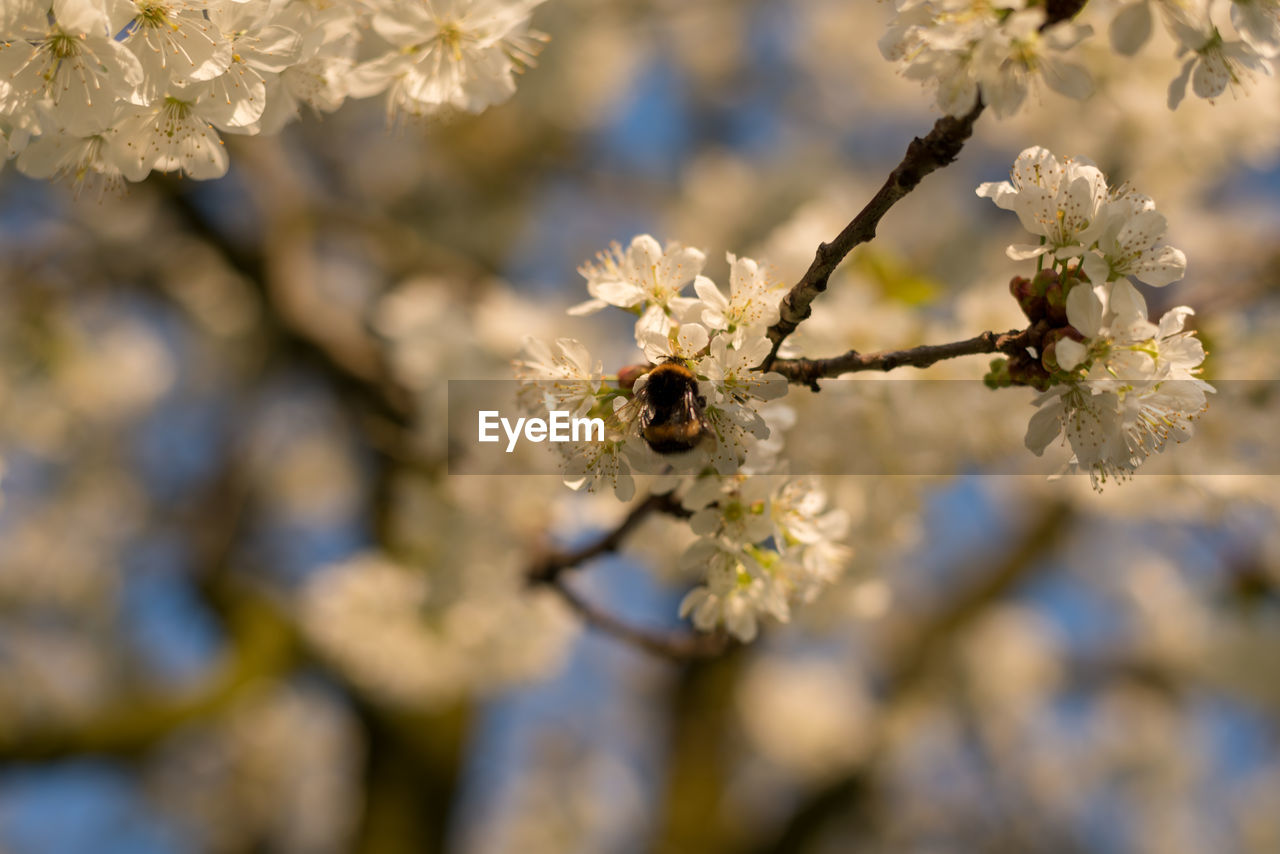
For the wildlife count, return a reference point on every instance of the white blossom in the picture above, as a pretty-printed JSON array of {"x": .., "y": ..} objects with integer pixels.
[
  {"x": 739, "y": 509},
  {"x": 1055, "y": 199},
  {"x": 94, "y": 156},
  {"x": 1258, "y": 23},
  {"x": 260, "y": 49},
  {"x": 1215, "y": 64},
  {"x": 175, "y": 44},
  {"x": 1067, "y": 204},
  {"x": 972, "y": 48},
  {"x": 683, "y": 341},
  {"x": 72, "y": 61},
  {"x": 766, "y": 542},
  {"x": 174, "y": 134},
  {"x": 732, "y": 378},
  {"x": 1127, "y": 229},
  {"x": 1136, "y": 387},
  {"x": 448, "y": 53},
  {"x": 752, "y": 302},
  {"x": 592, "y": 466},
  {"x": 646, "y": 279},
  {"x": 559, "y": 376},
  {"x": 326, "y": 55},
  {"x": 736, "y": 594},
  {"x": 734, "y": 391},
  {"x": 159, "y": 75}
]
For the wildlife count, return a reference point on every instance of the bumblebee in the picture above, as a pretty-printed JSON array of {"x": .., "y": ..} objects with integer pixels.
[{"x": 667, "y": 410}]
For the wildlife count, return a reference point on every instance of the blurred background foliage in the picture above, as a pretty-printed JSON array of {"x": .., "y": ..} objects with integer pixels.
[{"x": 244, "y": 608}]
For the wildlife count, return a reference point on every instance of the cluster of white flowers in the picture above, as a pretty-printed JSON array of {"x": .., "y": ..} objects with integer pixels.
[
  {"x": 968, "y": 49},
  {"x": 719, "y": 339},
  {"x": 1000, "y": 51},
  {"x": 1215, "y": 62},
  {"x": 117, "y": 88},
  {"x": 1067, "y": 204},
  {"x": 765, "y": 540},
  {"x": 1118, "y": 385},
  {"x": 407, "y": 637}
]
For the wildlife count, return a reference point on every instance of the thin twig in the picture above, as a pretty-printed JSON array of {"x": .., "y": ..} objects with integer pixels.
[
  {"x": 546, "y": 571},
  {"x": 547, "y": 568},
  {"x": 924, "y": 155},
  {"x": 677, "y": 646},
  {"x": 809, "y": 371}
]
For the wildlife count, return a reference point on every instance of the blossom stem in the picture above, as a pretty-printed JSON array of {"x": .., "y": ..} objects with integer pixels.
[
  {"x": 548, "y": 568},
  {"x": 924, "y": 155},
  {"x": 547, "y": 572},
  {"x": 809, "y": 371},
  {"x": 678, "y": 646}
]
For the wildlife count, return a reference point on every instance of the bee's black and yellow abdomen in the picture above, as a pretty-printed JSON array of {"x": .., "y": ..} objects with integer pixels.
[
  {"x": 671, "y": 421},
  {"x": 674, "y": 438}
]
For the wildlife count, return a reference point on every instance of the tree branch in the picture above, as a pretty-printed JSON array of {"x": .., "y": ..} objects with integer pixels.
[
  {"x": 547, "y": 568},
  {"x": 940, "y": 147},
  {"x": 809, "y": 371},
  {"x": 261, "y": 647},
  {"x": 677, "y": 646}
]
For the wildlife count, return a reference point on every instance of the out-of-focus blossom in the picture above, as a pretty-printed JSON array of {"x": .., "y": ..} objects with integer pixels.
[
  {"x": 967, "y": 49},
  {"x": 448, "y": 53},
  {"x": 159, "y": 76}
]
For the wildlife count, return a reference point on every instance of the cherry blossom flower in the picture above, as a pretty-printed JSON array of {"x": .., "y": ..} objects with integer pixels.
[
  {"x": 449, "y": 53},
  {"x": 1127, "y": 229},
  {"x": 646, "y": 279},
  {"x": 96, "y": 156},
  {"x": 72, "y": 69},
  {"x": 70, "y": 60},
  {"x": 174, "y": 42},
  {"x": 1136, "y": 389},
  {"x": 260, "y": 49},
  {"x": 1215, "y": 64},
  {"x": 559, "y": 376},
  {"x": 971, "y": 48},
  {"x": 326, "y": 55},
  {"x": 173, "y": 134},
  {"x": 765, "y": 542},
  {"x": 1258, "y": 23},
  {"x": 736, "y": 594},
  {"x": 752, "y": 303},
  {"x": 1057, "y": 200},
  {"x": 1114, "y": 233}
]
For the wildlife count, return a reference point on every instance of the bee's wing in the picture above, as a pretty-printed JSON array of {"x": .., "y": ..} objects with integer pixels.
[{"x": 625, "y": 420}]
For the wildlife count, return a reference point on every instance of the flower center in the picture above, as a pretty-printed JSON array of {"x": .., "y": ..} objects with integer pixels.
[
  {"x": 153, "y": 15},
  {"x": 63, "y": 45}
]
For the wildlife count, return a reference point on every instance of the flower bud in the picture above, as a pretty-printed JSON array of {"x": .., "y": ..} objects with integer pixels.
[
  {"x": 1043, "y": 285},
  {"x": 1024, "y": 370},
  {"x": 1030, "y": 300},
  {"x": 1055, "y": 294},
  {"x": 997, "y": 375}
]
